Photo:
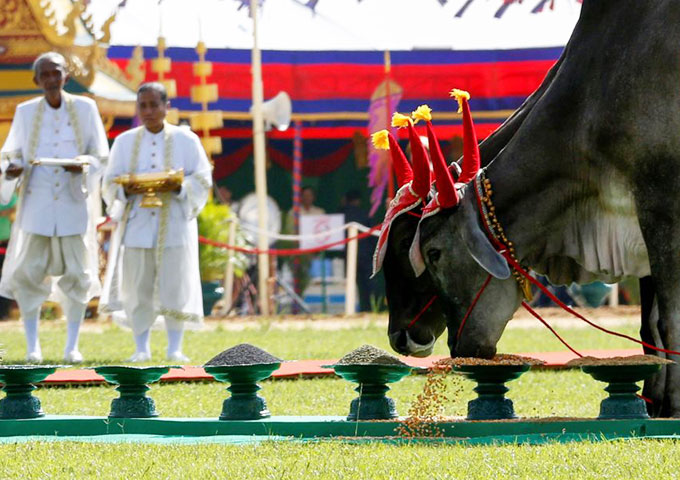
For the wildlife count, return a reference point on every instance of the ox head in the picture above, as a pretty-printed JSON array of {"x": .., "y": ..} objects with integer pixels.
[
  {"x": 452, "y": 247},
  {"x": 408, "y": 297}
]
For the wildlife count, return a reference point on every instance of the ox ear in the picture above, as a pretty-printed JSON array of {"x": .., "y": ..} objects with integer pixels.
[{"x": 479, "y": 245}]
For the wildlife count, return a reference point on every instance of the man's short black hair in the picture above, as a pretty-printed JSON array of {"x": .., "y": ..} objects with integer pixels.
[{"x": 154, "y": 87}]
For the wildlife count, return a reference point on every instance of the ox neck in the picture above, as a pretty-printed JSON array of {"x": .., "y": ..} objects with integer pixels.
[{"x": 523, "y": 197}]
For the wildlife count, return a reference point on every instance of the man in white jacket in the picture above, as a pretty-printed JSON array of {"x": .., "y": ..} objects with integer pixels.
[
  {"x": 152, "y": 271},
  {"x": 52, "y": 242}
]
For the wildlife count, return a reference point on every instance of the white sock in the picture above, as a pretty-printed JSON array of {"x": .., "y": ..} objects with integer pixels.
[
  {"x": 31, "y": 331},
  {"x": 74, "y": 318},
  {"x": 143, "y": 342},
  {"x": 175, "y": 341},
  {"x": 72, "y": 335}
]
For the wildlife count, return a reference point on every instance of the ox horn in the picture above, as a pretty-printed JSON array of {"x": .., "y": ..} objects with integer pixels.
[
  {"x": 471, "y": 157},
  {"x": 421, "y": 166},
  {"x": 446, "y": 189},
  {"x": 384, "y": 140}
]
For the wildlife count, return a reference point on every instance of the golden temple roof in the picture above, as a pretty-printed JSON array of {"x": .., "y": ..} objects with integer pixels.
[{"x": 31, "y": 27}]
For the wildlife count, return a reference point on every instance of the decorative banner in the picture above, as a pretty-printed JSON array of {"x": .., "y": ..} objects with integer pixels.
[
  {"x": 312, "y": 225},
  {"x": 380, "y": 113}
]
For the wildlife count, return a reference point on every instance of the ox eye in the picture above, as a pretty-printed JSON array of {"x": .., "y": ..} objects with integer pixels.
[{"x": 433, "y": 255}]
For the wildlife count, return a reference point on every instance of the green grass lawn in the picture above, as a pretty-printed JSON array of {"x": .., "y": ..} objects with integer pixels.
[
  {"x": 109, "y": 344},
  {"x": 536, "y": 394},
  {"x": 631, "y": 459}
]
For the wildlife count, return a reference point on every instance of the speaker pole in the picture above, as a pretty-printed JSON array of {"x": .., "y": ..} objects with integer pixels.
[{"x": 260, "y": 169}]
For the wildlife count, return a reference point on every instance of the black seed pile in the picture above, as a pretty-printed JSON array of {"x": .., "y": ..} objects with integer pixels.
[
  {"x": 243, "y": 354},
  {"x": 369, "y": 355}
]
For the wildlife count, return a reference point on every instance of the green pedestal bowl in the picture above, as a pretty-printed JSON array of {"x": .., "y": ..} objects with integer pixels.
[
  {"x": 622, "y": 401},
  {"x": 132, "y": 384},
  {"x": 244, "y": 402},
  {"x": 372, "y": 403},
  {"x": 491, "y": 403},
  {"x": 18, "y": 383}
]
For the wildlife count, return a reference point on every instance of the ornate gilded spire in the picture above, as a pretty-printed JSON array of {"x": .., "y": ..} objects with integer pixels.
[
  {"x": 162, "y": 65},
  {"x": 205, "y": 93}
]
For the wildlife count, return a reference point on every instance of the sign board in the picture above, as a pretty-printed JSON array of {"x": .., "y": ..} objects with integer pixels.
[{"x": 312, "y": 225}]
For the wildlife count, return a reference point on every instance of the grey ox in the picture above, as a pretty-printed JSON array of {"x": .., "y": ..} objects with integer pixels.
[{"x": 586, "y": 181}]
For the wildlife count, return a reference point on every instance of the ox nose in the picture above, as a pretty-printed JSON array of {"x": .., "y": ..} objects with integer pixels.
[{"x": 399, "y": 341}]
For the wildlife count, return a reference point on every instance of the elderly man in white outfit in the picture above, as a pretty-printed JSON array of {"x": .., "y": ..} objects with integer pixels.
[
  {"x": 52, "y": 242},
  {"x": 152, "y": 272}
]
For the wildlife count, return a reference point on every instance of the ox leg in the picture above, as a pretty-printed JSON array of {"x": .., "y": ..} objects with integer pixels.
[
  {"x": 649, "y": 333},
  {"x": 660, "y": 232}
]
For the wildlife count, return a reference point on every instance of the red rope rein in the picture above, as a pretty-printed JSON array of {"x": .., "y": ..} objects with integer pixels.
[
  {"x": 421, "y": 312},
  {"x": 503, "y": 250},
  {"x": 552, "y": 297},
  {"x": 547, "y": 325},
  {"x": 472, "y": 306}
]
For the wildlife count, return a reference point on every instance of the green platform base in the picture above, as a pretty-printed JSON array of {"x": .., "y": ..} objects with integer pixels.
[{"x": 524, "y": 431}]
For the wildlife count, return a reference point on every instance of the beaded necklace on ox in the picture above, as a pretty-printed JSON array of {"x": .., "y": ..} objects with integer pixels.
[{"x": 495, "y": 233}]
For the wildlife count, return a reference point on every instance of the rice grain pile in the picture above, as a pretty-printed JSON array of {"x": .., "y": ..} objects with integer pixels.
[
  {"x": 369, "y": 355},
  {"x": 242, "y": 354},
  {"x": 500, "y": 359},
  {"x": 612, "y": 361}
]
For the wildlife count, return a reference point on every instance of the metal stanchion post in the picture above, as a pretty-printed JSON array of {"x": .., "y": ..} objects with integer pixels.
[
  {"x": 351, "y": 286},
  {"x": 324, "y": 293}
]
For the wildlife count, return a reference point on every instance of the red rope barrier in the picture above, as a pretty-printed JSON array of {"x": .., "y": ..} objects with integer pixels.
[{"x": 286, "y": 251}]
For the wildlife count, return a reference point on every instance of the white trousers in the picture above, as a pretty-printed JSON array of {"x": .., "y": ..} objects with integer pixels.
[
  {"x": 43, "y": 257},
  {"x": 139, "y": 276}
]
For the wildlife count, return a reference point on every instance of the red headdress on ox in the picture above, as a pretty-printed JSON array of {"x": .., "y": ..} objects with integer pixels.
[
  {"x": 471, "y": 156},
  {"x": 414, "y": 184},
  {"x": 447, "y": 193}
]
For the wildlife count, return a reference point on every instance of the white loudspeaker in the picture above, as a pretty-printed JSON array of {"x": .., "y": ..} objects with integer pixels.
[
  {"x": 248, "y": 213},
  {"x": 276, "y": 112}
]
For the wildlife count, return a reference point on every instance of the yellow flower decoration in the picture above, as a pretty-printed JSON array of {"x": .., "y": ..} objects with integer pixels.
[
  {"x": 459, "y": 95},
  {"x": 400, "y": 120},
  {"x": 380, "y": 140},
  {"x": 423, "y": 113}
]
